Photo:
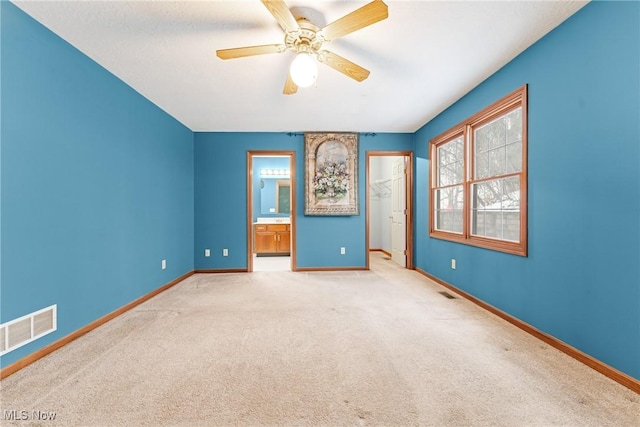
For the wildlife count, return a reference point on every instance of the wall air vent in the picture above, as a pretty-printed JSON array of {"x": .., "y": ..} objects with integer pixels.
[{"x": 25, "y": 329}]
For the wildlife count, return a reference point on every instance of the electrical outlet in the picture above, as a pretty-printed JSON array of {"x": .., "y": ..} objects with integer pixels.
[
  {"x": 207, "y": 252},
  {"x": 453, "y": 264},
  {"x": 343, "y": 251},
  {"x": 225, "y": 252},
  {"x": 164, "y": 264}
]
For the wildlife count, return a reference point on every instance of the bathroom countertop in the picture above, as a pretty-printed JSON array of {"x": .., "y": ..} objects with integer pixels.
[{"x": 273, "y": 221}]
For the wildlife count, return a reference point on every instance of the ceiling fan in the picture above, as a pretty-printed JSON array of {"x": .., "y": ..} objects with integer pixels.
[{"x": 306, "y": 40}]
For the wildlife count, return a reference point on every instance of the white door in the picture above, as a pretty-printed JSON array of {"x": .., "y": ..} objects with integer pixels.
[{"x": 399, "y": 213}]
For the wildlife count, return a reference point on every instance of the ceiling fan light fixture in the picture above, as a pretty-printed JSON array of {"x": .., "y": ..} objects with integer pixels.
[
  {"x": 306, "y": 39},
  {"x": 304, "y": 70}
]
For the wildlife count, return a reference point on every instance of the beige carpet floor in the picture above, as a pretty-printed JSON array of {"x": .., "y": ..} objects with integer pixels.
[{"x": 379, "y": 347}]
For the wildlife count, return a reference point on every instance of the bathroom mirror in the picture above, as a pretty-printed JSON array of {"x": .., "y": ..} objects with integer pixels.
[{"x": 275, "y": 196}]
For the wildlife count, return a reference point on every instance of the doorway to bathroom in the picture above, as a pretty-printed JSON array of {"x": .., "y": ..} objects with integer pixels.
[{"x": 271, "y": 210}]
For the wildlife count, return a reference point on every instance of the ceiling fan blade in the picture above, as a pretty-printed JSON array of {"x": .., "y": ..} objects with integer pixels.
[
  {"x": 343, "y": 65},
  {"x": 289, "y": 86},
  {"x": 239, "y": 52},
  {"x": 368, "y": 14},
  {"x": 283, "y": 15}
]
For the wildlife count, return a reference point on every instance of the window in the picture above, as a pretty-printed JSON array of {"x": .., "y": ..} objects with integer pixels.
[{"x": 479, "y": 178}]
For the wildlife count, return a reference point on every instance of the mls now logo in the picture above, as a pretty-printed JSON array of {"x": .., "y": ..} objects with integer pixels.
[{"x": 24, "y": 415}]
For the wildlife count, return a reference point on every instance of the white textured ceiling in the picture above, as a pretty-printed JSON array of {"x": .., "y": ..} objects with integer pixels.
[{"x": 423, "y": 58}]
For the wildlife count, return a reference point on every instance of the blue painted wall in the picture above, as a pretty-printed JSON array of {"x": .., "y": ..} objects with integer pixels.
[
  {"x": 581, "y": 281},
  {"x": 221, "y": 208},
  {"x": 97, "y": 185}
]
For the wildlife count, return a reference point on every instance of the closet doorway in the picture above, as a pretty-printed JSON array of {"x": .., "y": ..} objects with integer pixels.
[
  {"x": 271, "y": 208},
  {"x": 390, "y": 205}
]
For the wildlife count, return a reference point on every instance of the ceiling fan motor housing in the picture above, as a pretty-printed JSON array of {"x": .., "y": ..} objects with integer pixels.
[{"x": 306, "y": 39}]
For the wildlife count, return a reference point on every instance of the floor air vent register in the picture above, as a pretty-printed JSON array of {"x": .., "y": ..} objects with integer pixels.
[{"x": 447, "y": 295}]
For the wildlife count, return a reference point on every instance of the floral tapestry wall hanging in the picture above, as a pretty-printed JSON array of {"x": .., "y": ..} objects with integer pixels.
[{"x": 331, "y": 173}]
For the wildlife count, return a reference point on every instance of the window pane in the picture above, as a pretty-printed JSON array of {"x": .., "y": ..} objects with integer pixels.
[
  {"x": 481, "y": 142},
  {"x": 511, "y": 188},
  {"x": 514, "y": 157},
  {"x": 449, "y": 198},
  {"x": 511, "y": 225},
  {"x": 497, "y": 161},
  {"x": 513, "y": 122},
  {"x": 451, "y": 162},
  {"x": 495, "y": 210},
  {"x": 499, "y": 144},
  {"x": 482, "y": 165},
  {"x": 448, "y": 209},
  {"x": 495, "y": 133},
  {"x": 450, "y": 174}
]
